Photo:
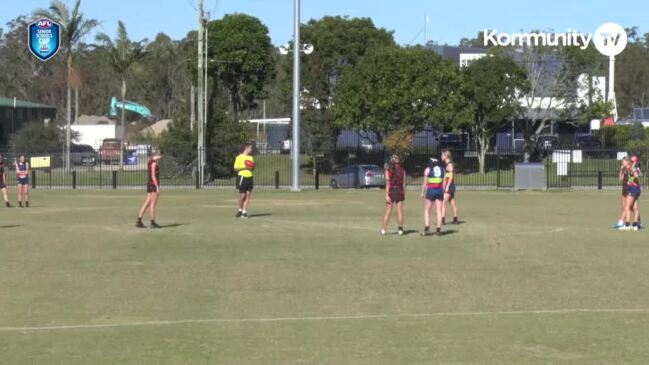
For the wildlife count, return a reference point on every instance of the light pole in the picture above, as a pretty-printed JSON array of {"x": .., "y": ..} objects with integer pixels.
[{"x": 297, "y": 49}]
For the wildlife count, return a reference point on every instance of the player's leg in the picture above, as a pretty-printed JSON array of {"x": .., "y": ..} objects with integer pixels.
[
  {"x": 400, "y": 216},
  {"x": 636, "y": 208},
  {"x": 620, "y": 223},
  {"x": 246, "y": 203},
  {"x": 447, "y": 200},
  {"x": 386, "y": 217},
  {"x": 26, "y": 195},
  {"x": 427, "y": 206},
  {"x": 19, "y": 192},
  {"x": 143, "y": 209},
  {"x": 627, "y": 212},
  {"x": 152, "y": 209},
  {"x": 456, "y": 212},
  {"x": 439, "y": 205},
  {"x": 5, "y": 195}
]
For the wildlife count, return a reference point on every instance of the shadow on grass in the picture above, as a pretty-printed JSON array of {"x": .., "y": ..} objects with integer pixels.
[
  {"x": 172, "y": 225},
  {"x": 260, "y": 215},
  {"x": 11, "y": 226}
]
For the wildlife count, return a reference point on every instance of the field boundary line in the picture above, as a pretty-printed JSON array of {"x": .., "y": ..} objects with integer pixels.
[{"x": 323, "y": 318}]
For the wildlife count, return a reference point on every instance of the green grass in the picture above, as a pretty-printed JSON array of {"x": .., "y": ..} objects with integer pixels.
[{"x": 530, "y": 278}]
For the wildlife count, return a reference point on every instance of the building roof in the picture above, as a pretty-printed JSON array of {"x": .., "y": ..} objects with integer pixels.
[
  {"x": 94, "y": 120},
  {"x": 9, "y": 102},
  {"x": 158, "y": 127}
]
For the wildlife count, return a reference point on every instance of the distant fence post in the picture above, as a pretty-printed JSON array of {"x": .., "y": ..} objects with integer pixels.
[
  {"x": 317, "y": 179},
  {"x": 74, "y": 179},
  {"x": 276, "y": 179},
  {"x": 497, "y": 168},
  {"x": 600, "y": 179},
  {"x": 114, "y": 179},
  {"x": 547, "y": 172},
  {"x": 33, "y": 179},
  {"x": 198, "y": 184}
]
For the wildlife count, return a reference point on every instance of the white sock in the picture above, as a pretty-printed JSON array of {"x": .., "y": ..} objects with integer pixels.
[
  {"x": 620, "y": 222},
  {"x": 244, "y": 212},
  {"x": 240, "y": 210}
]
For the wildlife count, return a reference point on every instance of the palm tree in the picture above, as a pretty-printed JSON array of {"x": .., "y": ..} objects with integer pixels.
[
  {"x": 74, "y": 26},
  {"x": 122, "y": 55}
]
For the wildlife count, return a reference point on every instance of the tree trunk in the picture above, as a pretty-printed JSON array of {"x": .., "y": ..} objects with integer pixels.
[
  {"x": 76, "y": 105},
  {"x": 121, "y": 152},
  {"x": 68, "y": 116}
]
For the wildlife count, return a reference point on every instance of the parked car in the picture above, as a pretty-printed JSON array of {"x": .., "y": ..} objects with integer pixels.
[
  {"x": 109, "y": 152},
  {"x": 587, "y": 141},
  {"x": 451, "y": 141},
  {"x": 83, "y": 154},
  {"x": 359, "y": 176},
  {"x": 285, "y": 146},
  {"x": 366, "y": 145},
  {"x": 547, "y": 143}
]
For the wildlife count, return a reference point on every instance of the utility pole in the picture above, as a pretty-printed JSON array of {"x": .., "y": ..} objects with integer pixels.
[
  {"x": 295, "y": 143},
  {"x": 207, "y": 67},
  {"x": 192, "y": 109},
  {"x": 201, "y": 94}
]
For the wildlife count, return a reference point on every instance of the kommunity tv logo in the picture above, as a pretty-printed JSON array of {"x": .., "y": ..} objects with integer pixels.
[{"x": 609, "y": 39}]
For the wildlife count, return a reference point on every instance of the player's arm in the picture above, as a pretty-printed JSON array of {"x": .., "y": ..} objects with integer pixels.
[
  {"x": 620, "y": 174},
  {"x": 424, "y": 182},
  {"x": 387, "y": 185}
]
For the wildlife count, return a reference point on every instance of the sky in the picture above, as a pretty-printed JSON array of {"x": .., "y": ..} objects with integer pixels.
[{"x": 449, "y": 21}]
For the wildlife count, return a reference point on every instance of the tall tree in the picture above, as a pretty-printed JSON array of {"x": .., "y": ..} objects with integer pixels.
[
  {"x": 395, "y": 88},
  {"x": 241, "y": 53},
  {"x": 74, "y": 26},
  {"x": 339, "y": 43},
  {"x": 123, "y": 53},
  {"x": 492, "y": 86}
]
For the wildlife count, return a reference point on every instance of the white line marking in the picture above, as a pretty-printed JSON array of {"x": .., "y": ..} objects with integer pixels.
[{"x": 323, "y": 318}]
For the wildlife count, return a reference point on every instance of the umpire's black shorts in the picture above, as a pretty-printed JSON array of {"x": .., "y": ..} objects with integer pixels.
[{"x": 244, "y": 184}]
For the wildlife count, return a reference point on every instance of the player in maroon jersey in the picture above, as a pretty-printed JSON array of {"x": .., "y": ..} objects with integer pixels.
[
  {"x": 395, "y": 190},
  {"x": 3, "y": 182},
  {"x": 152, "y": 189}
]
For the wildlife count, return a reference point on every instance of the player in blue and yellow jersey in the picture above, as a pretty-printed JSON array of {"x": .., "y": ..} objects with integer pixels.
[
  {"x": 432, "y": 191},
  {"x": 449, "y": 186},
  {"x": 22, "y": 175},
  {"x": 633, "y": 194},
  {"x": 244, "y": 165}
]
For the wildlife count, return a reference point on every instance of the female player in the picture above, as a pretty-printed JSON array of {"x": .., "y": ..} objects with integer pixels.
[
  {"x": 3, "y": 181},
  {"x": 433, "y": 191},
  {"x": 623, "y": 176},
  {"x": 633, "y": 194},
  {"x": 449, "y": 187},
  {"x": 395, "y": 192},
  {"x": 22, "y": 173},
  {"x": 152, "y": 189}
]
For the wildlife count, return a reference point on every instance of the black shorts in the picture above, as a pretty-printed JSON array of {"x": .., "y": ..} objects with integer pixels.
[
  {"x": 151, "y": 188},
  {"x": 3, "y": 186},
  {"x": 244, "y": 184}
]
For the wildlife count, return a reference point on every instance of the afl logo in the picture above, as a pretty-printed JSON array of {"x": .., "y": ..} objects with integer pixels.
[{"x": 44, "y": 38}]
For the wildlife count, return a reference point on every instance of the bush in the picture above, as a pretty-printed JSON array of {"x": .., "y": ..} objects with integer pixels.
[
  {"x": 36, "y": 137},
  {"x": 225, "y": 141},
  {"x": 615, "y": 136}
]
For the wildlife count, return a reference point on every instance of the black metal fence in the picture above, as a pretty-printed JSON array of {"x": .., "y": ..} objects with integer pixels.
[{"x": 565, "y": 169}]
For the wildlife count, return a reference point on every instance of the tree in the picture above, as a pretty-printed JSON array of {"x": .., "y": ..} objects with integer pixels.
[
  {"x": 339, "y": 43},
  {"x": 394, "y": 88},
  {"x": 123, "y": 54},
  {"x": 74, "y": 26},
  {"x": 40, "y": 137},
  {"x": 491, "y": 86},
  {"x": 632, "y": 77},
  {"x": 241, "y": 51}
]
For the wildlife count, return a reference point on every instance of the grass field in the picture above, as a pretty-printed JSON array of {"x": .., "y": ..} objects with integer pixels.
[{"x": 529, "y": 278}]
